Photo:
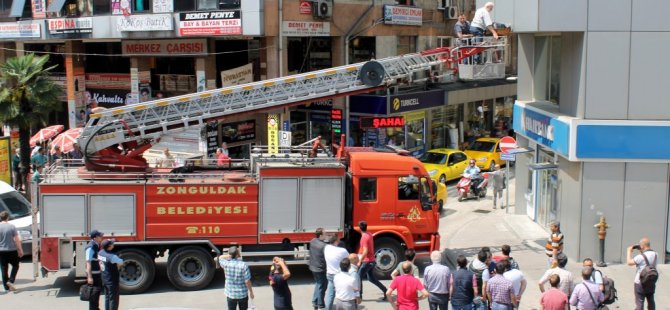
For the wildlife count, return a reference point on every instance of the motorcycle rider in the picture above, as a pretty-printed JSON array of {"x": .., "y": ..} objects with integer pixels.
[{"x": 473, "y": 172}]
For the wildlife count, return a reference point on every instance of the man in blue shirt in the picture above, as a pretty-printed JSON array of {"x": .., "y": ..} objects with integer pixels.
[
  {"x": 238, "y": 280},
  {"x": 109, "y": 265},
  {"x": 93, "y": 276}
]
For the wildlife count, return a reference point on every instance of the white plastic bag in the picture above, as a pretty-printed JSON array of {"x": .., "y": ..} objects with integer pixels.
[{"x": 252, "y": 306}]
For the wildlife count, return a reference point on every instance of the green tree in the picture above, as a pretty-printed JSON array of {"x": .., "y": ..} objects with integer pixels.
[{"x": 27, "y": 96}]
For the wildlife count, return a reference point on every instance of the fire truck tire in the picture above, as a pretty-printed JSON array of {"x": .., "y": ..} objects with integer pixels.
[
  {"x": 190, "y": 268},
  {"x": 137, "y": 273},
  {"x": 389, "y": 252}
]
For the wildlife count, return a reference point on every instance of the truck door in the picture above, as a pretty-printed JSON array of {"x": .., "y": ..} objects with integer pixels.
[
  {"x": 375, "y": 208},
  {"x": 409, "y": 211}
]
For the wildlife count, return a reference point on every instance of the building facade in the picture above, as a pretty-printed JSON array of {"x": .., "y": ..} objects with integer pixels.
[
  {"x": 592, "y": 113},
  {"x": 117, "y": 52}
]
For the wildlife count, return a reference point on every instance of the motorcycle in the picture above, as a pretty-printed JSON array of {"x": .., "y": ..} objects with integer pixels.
[{"x": 465, "y": 186}]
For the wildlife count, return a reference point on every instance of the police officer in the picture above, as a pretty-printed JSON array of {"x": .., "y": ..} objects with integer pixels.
[
  {"x": 109, "y": 265},
  {"x": 93, "y": 276}
]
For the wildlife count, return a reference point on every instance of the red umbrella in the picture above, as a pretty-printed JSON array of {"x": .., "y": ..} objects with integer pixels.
[
  {"x": 45, "y": 134},
  {"x": 66, "y": 140}
]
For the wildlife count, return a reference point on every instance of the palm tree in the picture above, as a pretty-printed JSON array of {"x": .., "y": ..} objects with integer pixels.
[{"x": 27, "y": 96}]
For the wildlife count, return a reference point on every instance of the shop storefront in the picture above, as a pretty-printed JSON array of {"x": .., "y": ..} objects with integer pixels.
[
  {"x": 420, "y": 110},
  {"x": 309, "y": 46}
]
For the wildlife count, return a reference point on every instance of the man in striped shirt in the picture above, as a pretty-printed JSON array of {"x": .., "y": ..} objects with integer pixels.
[{"x": 554, "y": 243}]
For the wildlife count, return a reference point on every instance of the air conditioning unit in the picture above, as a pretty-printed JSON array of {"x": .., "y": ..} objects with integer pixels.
[
  {"x": 322, "y": 8},
  {"x": 451, "y": 12}
]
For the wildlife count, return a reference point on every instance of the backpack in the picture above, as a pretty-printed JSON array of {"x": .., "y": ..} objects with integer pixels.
[
  {"x": 649, "y": 275},
  {"x": 609, "y": 292}
]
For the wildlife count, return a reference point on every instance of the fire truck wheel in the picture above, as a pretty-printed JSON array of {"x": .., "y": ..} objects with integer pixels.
[
  {"x": 137, "y": 273},
  {"x": 389, "y": 253},
  {"x": 190, "y": 268}
]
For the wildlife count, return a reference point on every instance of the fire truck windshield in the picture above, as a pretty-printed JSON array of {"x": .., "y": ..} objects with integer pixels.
[{"x": 15, "y": 204}]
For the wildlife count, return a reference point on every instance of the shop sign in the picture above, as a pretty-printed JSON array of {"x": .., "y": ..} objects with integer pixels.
[
  {"x": 273, "y": 133},
  {"x": 39, "y": 8},
  {"x": 238, "y": 76},
  {"x": 16, "y": 30},
  {"x": 163, "y": 6},
  {"x": 211, "y": 133},
  {"x": 70, "y": 25},
  {"x": 382, "y": 122},
  {"x": 284, "y": 138},
  {"x": 150, "y": 22},
  {"x": 417, "y": 101},
  {"x": 306, "y": 7},
  {"x": 5, "y": 160},
  {"x": 238, "y": 131},
  {"x": 403, "y": 15},
  {"x": 542, "y": 127},
  {"x": 110, "y": 98},
  {"x": 323, "y": 105},
  {"x": 305, "y": 29},
  {"x": 210, "y": 23},
  {"x": 336, "y": 122},
  {"x": 164, "y": 47}
]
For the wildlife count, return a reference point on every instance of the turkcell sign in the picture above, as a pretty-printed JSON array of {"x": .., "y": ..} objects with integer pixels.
[{"x": 542, "y": 127}]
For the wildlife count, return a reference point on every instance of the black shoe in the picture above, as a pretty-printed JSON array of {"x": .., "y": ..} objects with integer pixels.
[{"x": 383, "y": 298}]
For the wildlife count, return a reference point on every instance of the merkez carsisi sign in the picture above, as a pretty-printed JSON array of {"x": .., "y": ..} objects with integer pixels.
[{"x": 210, "y": 23}]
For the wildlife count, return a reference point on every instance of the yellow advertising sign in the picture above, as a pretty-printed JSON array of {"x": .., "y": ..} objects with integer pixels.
[
  {"x": 5, "y": 160},
  {"x": 273, "y": 133}
]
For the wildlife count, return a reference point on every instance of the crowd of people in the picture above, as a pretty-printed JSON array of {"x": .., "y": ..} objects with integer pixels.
[{"x": 40, "y": 158}]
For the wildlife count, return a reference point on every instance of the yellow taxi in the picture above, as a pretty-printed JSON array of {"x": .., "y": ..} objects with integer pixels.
[
  {"x": 486, "y": 152},
  {"x": 444, "y": 164},
  {"x": 441, "y": 195}
]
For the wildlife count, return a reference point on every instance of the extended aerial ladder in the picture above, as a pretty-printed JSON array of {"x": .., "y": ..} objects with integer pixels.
[{"x": 115, "y": 139}]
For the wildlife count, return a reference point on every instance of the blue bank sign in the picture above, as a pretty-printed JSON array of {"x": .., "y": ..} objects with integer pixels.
[{"x": 542, "y": 127}]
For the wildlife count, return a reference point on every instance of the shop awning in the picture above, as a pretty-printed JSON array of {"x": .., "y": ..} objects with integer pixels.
[
  {"x": 543, "y": 166},
  {"x": 521, "y": 150},
  {"x": 55, "y": 6},
  {"x": 17, "y": 8}
]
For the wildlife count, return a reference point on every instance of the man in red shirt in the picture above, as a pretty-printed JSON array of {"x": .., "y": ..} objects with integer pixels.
[
  {"x": 554, "y": 299},
  {"x": 407, "y": 286},
  {"x": 366, "y": 251}
]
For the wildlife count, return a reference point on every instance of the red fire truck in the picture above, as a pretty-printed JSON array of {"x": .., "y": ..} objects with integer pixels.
[{"x": 270, "y": 205}]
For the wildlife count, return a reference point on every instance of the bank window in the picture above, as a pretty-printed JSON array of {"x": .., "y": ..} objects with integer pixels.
[
  {"x": 547, "y": 73},
  {"x": 408, "y": 188},
  {"x": 367, "y": 189},
  {"x": 142, "y": 5},
  {"x": 101, "y": 7}
]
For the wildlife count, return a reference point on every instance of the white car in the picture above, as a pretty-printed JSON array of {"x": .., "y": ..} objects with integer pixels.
[{"x": 19, "y": 214}]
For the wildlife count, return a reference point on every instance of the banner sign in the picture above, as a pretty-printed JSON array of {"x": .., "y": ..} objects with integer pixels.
[
  {"x": 403, "y": 15},
  {"x": 273, "y": 133},
  {"x": 17, "y": 31},
  {"x": 70, "y": 25},
  {"x": 152, "y": 22},
  {"x": 306, "y": 29},
  {"x": 39, "y": 8},
  {"x": 210, "y": 23},
  {"x": 238, "y": 131},
  {"x": 164, "y": 47},
  {"x": 108, "y": 81},
  {"x": 5, "y": 160},
  {"x": 237, "y": 76}
]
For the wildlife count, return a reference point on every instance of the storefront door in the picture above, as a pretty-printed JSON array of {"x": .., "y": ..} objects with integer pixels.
[{"x": 547, "y": 205}]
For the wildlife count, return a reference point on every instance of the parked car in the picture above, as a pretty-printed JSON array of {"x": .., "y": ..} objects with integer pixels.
[
  {"x": 444, "y": 164},
  {"x": 19, "y": 214},
  {"x": 486, "y": 153}
]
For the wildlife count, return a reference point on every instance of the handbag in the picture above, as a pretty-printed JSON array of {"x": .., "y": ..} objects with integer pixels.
[
  {"x": 599, "y": 306},
  {"x": 85, "y": 292}
]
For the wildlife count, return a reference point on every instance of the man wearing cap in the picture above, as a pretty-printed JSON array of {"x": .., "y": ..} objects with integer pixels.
[
  {"x": 109, "y": 265},
  {"x": 93, "y": 276}
]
